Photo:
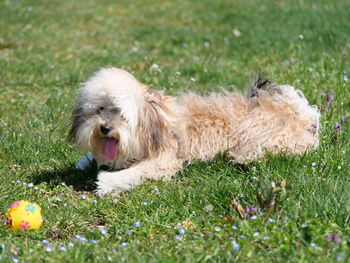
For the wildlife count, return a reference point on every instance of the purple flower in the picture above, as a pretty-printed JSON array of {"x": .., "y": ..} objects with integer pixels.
[
  {"x": 334, "y": 238},
  {"x": 329, "y": 97},
  {"x": 250, "y": 211},
  {"x": 344, "y": 118},
  {"x": 338, "y": 127}
]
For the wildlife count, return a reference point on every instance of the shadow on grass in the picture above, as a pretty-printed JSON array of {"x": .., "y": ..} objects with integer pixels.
[{"x": 78, "y": 179}]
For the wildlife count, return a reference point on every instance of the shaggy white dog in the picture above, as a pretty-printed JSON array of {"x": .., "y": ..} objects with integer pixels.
[{"x": 142, "y": 134}]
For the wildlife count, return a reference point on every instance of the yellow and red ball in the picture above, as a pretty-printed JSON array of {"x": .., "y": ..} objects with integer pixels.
[{"x": 24, "y": 215}]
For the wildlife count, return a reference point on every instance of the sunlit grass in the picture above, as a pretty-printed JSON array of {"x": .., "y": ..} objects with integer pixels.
[{"x": 47, "y": 48}]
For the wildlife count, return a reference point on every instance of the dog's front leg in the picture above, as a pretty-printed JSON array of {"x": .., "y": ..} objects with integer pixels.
[{"x": 124, "y": 180}]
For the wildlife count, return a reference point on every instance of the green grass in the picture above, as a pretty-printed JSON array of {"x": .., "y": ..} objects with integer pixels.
[{"x": 48, "y": 47}]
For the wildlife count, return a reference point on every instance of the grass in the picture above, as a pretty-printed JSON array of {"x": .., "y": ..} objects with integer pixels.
[{"x": 48, "y": 47}]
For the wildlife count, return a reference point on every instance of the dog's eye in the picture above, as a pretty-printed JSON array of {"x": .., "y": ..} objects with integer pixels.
[
  {"x": 100, "y": 109},
  {"x": 114, "y": 110}
]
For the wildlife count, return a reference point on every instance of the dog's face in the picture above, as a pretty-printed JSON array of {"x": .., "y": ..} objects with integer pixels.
[{"x": 118, "y": 119}]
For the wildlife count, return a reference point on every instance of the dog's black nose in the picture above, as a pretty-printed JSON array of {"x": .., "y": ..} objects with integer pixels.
[{"x": 105, "y": 129}]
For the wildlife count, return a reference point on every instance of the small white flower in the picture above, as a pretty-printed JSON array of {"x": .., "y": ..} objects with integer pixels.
[
  {"x": 124, "y": 244},
  {"x": 45, "y": 241},
  {"x": 15, "y": 260},
  {"x": 36, "y": 188},
  {"x": 63, "y": 184},
  {"x": 301, "y": 37},
  {"x": 178, "y": 237},
  {"x": 340, "y": 256},
  {"x": 104, "y": 231},
  {"x": 184, "y": 44},
  {"x": 30, "y": 185},
  {"x": 193, "y": 79},
  {"x": 155, "y": 67},
  {"x": 95, "y": 201},
  {"x": 311, "y": 69},
  {"x": 266, "y": 238},
  {"x": 63, "y": 249},
  {"x": 253, "y": 217},
  {"x": 313, "y": 245},
  {"x": 48, "y": 249},
  {"x": 145, "y": 203},
  {"x": 217, "y": 229},
  {"x": 137, "y": 224},
  {"x": 339, "y": 167},
  {"x": 182, "y": 231},
  {"x": 271, "y": 220},
  {"x": 93, "y": 241},
  {"x": 234, "y": 227},
  {"x": 13, "y": 182},
  {"x": 18, "y": 181},
  {"x": 235, "y": 245},
  {"x": 206, "y": 44},
  {"x": 313, "y": 164},
  {"x": 242, "y": 236},
  {"x": 58, "y": 199},
  {"x": 83, "y": 196},
  {"x": 209, "y": 208},
  {"x": 70, "y": 244},
  {"x": 77, "y": 236},
  {"x": 256, "y": 234},
  {"x": 83, "y": 240},
  {"x": 157, "y": 190},
  {"x": 236, "y": 32}
]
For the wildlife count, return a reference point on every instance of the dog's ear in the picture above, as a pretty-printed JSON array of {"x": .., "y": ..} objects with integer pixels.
[
  {"x": 153, "y": 126},
  {"x": 75, "y": 122}
]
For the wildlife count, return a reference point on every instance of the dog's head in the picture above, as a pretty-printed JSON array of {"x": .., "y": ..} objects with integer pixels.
[{"x": 119, "y": 119}]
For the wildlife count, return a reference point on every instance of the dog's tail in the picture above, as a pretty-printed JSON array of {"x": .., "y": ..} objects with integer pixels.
[
  {"x": 263, "y": 85},
  {"x": 288, "y": 96}
]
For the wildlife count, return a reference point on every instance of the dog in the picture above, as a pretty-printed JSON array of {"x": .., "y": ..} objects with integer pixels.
[{"x": 142, "y": 134}]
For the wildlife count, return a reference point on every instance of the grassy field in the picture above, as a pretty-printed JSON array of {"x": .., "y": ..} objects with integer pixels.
[{"x": 48, "y": 47}]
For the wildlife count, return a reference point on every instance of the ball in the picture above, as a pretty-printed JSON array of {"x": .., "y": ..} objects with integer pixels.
[{"x": 24, "y": 215}]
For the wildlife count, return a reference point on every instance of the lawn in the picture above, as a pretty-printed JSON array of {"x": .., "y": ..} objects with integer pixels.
[{"x": 297, "y": 208}]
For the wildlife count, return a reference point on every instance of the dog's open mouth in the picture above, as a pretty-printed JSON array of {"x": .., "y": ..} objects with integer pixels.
[{"x": 109, "y": 149}]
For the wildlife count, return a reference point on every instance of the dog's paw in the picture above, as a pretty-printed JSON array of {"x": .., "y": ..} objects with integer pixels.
[{"x": 107, "y": 185}]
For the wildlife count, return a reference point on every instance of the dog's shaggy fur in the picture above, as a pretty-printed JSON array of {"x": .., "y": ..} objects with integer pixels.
[{"x": 143, "y": 134}]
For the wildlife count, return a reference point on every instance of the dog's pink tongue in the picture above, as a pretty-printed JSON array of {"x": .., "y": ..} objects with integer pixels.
[{"x": 109, "y": 150}]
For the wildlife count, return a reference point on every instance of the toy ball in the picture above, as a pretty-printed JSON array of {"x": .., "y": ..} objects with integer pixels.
[{"x": 24, "y": 215}]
